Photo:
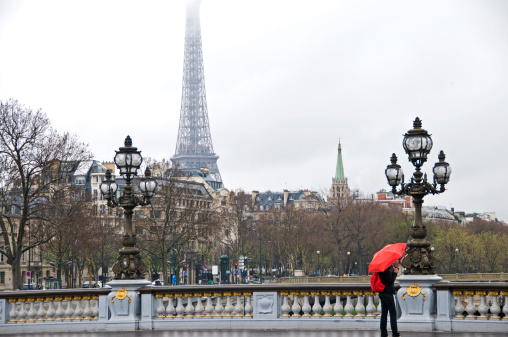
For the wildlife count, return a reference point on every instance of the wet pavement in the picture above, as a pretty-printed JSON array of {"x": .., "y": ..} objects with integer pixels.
[{"x": 255, "y": 333}]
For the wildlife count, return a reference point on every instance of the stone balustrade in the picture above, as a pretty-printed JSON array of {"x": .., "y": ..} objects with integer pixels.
[
  {"x": 472, "y": 306},
  {"x": 459, "y": 306}
]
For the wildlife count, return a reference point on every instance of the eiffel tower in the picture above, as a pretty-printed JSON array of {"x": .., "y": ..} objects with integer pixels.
[{"x": 194, "y": 149}]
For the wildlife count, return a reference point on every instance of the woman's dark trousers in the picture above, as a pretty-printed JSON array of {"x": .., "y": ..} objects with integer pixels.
[{"x": 388, "y": 305}]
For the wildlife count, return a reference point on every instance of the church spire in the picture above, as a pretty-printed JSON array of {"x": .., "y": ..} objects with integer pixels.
[
  {"x": 339, "y": 171},
  {"x": 339, "y": 192}
]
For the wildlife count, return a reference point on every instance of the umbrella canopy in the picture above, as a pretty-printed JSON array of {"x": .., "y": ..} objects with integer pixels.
[{"x": 386, "y": 257}]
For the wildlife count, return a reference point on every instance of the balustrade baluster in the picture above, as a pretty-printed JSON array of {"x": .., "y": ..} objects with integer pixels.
[
  {"x": 189, "y": 309},
  {"x": 22, "y": 311},
  {"x": 495, "y": 309},
  {"x": 87, "y": 313},
  {"x": 199, "y": 305},
  {"x": 68, "y": 311},
  {"x": 459, "y": 308},
  {"x": 159, "y": 305},
  {"x": 30, "y": 316},
  {"x": 209, "y": 306},
  {"x": 359, "y": 308},
  {"x": 349, "y": 305},
  {"x": 239, "y": 305},
  {"x": 505, "y": 306},
  {"x": 95, "y": 310},
  {"x": 371, "y": 308},
  {"x": 78, "y": 312},
  {"x": 284, "y": 308},
  {"x": 378, "y": 309},
  {"x": 327, "y": 308},
  {"x": 248, "y": 304},
  {"x": 51, "y": 309},
  {"x": 170, "y": 309},
  {"x": 59, "y": 313},
  {"x": 228, "y": 308},
  {"x": 295, "y": 308},
  {"x": 470, "y": 308},
  {"x": 179, "y": 307},
  {"x": 338, "y": 305},
  {"x": 316, "y": 308},
  {"x": 218, "y": 305},
  {"x": 41, "y": 313},
  {"x": 13, "y": 314},
  {"x": 482, "y": 308},
  {"x": 306, "y": 306}
]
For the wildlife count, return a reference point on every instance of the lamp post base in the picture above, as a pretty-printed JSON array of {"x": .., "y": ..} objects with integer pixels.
[
  {"x": 124, "y": 301},
  {"x": 417, "y": 301},
  {"x": 129, "y": 265}
]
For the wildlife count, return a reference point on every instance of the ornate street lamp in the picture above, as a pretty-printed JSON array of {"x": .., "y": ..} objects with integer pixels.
[
  {"x": 417, "y": 144},
  {"x": 128, "y": 160}
]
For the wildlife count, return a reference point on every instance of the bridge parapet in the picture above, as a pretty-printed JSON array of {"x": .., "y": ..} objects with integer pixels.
[{"x": 459, "y": 306}]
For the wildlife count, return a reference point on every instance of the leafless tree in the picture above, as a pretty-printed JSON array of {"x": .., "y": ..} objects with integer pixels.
[
  {"x": 33, "y": 157},
  {"x": 181, "y": 215}
]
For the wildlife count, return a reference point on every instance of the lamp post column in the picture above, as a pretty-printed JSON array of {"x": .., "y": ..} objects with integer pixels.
[
  {"x": 419, "y": 262},
  {"x": 260, "y": 258}
]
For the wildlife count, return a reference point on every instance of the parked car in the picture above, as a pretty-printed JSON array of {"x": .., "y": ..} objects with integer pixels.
[
  {"x": 31, "y": 286},
  {"x": 94, "y": 284},
  {"x": 158, "y": 283}
]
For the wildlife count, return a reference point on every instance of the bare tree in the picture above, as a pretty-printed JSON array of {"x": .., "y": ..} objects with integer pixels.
[
  {"x": 33, "y": 157},
  {"x": 181, "y": 215}
]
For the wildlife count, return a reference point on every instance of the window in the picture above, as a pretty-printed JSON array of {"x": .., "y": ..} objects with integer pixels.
[
  {"x": 1, "y": 255},
  {"x": 156, "y": 214},
  {"x": 2, "y": 277}
]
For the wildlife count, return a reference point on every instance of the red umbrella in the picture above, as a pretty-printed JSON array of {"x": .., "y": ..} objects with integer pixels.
[{"x": 386, "y": 257}]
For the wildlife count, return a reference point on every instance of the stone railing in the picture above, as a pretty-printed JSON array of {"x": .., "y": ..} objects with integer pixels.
[
  {"x": 472, "y": 306},
  {"x": 22, "y": 311},
  {"x": 458, "y": 306}
]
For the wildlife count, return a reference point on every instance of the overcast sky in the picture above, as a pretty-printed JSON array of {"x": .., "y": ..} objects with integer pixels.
[{"x": 285, "y": 81}]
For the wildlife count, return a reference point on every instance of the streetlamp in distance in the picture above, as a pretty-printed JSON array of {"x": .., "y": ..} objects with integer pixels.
[
  {"x": 455, "y": 258},
  {"x": 348, "y": 263},
  {"x": 128, "y": 160},
  {"x": 318, "y": 267},
  {"x": 417, "y": 144},
  {"x": 260, "y": 256}
]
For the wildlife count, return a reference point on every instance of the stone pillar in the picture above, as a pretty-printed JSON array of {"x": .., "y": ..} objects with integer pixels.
[
  {"x": 417, "y": 301},
  {"x": 124, "y": 303},
  {"x": 3, "y": 311},
  {"x": 445, "y": 307},
  {"x": 147, "y": 311}
]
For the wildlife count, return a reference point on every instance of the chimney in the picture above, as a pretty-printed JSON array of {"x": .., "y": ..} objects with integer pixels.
[
  {"x": 254, "y": 195},
  {"x": 286, "y": 195}
]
